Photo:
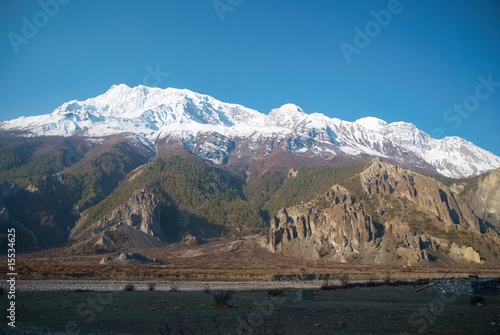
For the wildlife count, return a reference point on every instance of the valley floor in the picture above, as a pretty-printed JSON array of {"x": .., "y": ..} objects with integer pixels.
[
  {"x": 223, "y": 260},
  {"x": 58, "y": 293},
  {"x": 376, "y": 310}
]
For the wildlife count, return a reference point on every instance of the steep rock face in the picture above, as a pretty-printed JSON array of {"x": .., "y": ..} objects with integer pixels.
[
  {"x": 483, "y": 195},
  {"x": 429, "y": 196},
  {"x": 383, "y": 215},
  {"x": 340, "y": 230},
  {"x": 136, "y": 223},
  {"x": 141, "y": 211}
]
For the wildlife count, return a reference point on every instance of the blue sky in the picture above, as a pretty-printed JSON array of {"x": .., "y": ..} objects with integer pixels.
[{"x": 414, "y": 66}]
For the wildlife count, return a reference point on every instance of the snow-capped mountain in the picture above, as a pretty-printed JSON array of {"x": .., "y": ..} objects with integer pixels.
[{"x": 224, "y": 132}]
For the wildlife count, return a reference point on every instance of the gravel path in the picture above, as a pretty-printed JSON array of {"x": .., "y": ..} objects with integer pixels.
[{"x": 72, "y": 285}]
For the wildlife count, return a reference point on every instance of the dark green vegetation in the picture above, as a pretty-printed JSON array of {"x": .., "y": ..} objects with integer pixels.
[
  {"x": 48, "y": 183},
  {"x": 383, "y": 310},
  {"x": 283, "y": 188},
  {"x": 189, "y": 186}
]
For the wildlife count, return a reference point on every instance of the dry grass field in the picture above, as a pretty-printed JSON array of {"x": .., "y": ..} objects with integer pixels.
[{"x": 217, "y": 260}]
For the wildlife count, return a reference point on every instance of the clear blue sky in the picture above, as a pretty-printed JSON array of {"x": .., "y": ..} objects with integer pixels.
[{"x": 263, "y": 54}]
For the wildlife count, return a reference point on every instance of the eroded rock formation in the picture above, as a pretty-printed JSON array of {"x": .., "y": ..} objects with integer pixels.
[{"x": 383, "y": 215}]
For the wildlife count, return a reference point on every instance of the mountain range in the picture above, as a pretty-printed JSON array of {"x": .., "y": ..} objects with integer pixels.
[
  {"x": 144, "y": 167},
  {"x": 233, "y": 135}
]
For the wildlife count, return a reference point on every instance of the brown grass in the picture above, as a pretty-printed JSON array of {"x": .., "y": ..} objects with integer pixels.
[{"x": 218, "y": 260}]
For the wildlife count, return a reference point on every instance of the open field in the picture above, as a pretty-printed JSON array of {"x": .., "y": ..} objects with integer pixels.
[
  {"x": 375, "y": 310},
  {"x": 74, "y": 294}
]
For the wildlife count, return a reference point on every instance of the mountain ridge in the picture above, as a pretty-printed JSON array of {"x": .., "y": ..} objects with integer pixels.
[{"x": 224, "y": 133}]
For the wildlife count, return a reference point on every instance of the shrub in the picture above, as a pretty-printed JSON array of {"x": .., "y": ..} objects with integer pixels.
[
  {"x": 344, "y": 280},
  {"x": 221, "y": 299},
  {"x": 129, "y": 287},
  {"x": 182, "y": 328},
  {"x": 387, "y": 278},
  {"x": 327, "y": 286},
  {"x": 275, "y": 292},
  {"x": 370, "y": 282},
  {"x": 476, "y": 299}
]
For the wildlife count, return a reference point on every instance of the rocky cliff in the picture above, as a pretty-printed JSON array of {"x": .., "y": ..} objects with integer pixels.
[
  {"x": 136, "y": 223},
  {"x": 483, "y": 195},
  {"x": 341, "y": 230},
  {"x": 386, "y": 215}
]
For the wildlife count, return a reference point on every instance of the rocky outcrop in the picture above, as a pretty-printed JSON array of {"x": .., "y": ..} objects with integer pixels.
[
  {"x": 464, "y": 253},
  {"x": 339, "y": 231},
  {"x": 383, "y": 215},
  {"x": 381, "y": 179},
  {"x": 141, "y": 211},
  {"x": 483, "y": 195},
  {"x": 134, "y": 224}
]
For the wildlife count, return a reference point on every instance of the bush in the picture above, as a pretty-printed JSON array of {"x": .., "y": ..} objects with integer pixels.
[
  {"x": 344, "y": 280},
  {"x": 129, "y": 287},
  {"x": 221, "y": 299},
  {"x": 275, "y": 292},
  {"x": 327, "y": 286},
  {"x": 387, "y": 278},
  {"x": 370, "y": 282},
  {"x": 476, "y": 299}
]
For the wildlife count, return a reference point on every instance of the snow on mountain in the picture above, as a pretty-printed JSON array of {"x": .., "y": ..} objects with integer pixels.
[
  {"x": 371, "y": 123},
  {"x": 217, "y": 131}
]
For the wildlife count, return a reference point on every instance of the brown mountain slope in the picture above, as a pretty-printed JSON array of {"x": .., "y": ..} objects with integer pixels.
[{"x": 386, "y": 215}]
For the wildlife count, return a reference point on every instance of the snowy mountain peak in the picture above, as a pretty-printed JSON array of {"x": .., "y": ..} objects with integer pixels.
[
  {"x": 216, "y": 130},
  {"x": 286, "y": 116},
  {"x": 289, "y": 108},
  {"x": 371, "y": 123}
]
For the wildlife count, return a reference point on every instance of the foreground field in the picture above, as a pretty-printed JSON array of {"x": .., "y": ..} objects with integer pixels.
[
  {"x": 374, "y": 310},
  {"x": 74, "y": 294}
]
